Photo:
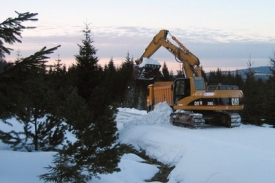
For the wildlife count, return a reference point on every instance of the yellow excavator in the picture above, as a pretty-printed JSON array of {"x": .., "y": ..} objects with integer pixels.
[{"x": 194, "y": 103}]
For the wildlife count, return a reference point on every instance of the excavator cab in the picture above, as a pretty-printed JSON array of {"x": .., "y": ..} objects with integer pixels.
[
  {"x": 181, "y": 89},
  {"x": 146, "y": 70},
  {"x": 185, "y": 87}
]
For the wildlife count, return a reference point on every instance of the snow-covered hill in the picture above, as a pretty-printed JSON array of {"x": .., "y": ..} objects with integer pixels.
[{"x": 211, "y": 154}]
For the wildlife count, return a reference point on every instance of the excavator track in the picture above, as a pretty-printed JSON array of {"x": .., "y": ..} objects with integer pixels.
[
  {"x": 223, "y": 118},
  {"x": 197, "y": 120},
  {"x": 235, "y": 119},
  {"x": 187, "y": 119}
]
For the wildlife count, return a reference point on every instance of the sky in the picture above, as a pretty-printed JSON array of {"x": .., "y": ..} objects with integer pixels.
[{"x": 222, "y": 34}]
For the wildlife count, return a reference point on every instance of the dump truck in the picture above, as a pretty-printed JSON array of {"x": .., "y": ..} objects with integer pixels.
[{"x": 194, "y": 103}]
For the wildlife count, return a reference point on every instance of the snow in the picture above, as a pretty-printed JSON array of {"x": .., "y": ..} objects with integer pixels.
[
  {"x": 212, "y": 154},
  {"x": 148, "y": 61}
]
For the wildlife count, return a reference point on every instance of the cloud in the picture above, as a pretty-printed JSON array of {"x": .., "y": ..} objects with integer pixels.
[{"x": 214, "y": 47}]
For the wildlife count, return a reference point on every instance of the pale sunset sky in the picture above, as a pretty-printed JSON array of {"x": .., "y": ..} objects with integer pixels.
[{"x": 222, "y": 34}]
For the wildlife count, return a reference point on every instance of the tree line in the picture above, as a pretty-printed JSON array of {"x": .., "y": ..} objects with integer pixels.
[{"x": 50, "y": 101}]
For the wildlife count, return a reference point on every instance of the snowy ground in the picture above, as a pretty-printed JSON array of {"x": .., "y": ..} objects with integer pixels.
[{"x": 211, "y": 155}]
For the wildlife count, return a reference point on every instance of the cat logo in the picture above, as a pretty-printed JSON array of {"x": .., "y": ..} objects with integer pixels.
[{"x": 235, "y": 101}]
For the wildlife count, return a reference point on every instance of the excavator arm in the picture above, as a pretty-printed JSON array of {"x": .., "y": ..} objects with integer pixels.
[
  {"x": 153, "y": 46},
  {"x": 147, "y": 71}
]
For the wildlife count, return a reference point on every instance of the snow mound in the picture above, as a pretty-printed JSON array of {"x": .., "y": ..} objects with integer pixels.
[
  {"x": 146, "y": 61},
  {"x": 159, "y": 116},
  {"x": 128, "y": 117}
]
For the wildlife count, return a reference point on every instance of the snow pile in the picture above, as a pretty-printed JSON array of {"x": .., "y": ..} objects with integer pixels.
[
  {"x": 146, "y": 61},
  {"x": 126, "y": 116},
  {"x": 159, "y": 116}
]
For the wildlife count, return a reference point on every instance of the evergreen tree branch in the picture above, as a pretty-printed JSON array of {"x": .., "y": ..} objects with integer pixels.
[
  {"x": 12, "y": 79},
  {"x": 35, "y": 61},
  {"x": 11, "y": 29}
]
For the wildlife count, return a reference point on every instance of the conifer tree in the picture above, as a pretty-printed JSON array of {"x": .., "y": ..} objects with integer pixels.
[
  {"x": 238, "y": 80},
  {"x": 88, "y": 74},
  {"x": 111, "y": 84},
  {"x": 215, "y": 77},
  {"x": 127, "y": 84},
  {"x": 41, "y": 127},
  {"x": 165, "y": 73},
  {"x": 57, "y": 76},
  {"x": 271, "y": 93},
  {"x": 18, "y": 83},
  {"x": 11, "y": 29},
  {"x": 94, "y": 150},
  {"x": 12, "y": 77},
  {"x": 203, "y": 74},
  {"x": 252, "y": 98},
  {"x": 63, "y": 171},
  {"x": 3, "y": 64},
  {"x": 91, "y": 119}
]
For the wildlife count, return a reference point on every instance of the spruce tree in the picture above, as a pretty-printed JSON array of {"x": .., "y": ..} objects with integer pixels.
[
  {"x": 165, "y": 72},
  {"x": 63, "y": 171},
  {"x": 3, "y": 64},
  {"x": 88, "y": 72},
  {"x": 215, "y": 77},
  {"x": 93, "y": 152},
  {"x": 252, "y": 98},
  {"x": 271, "y": 93},
  {"x": 11, "y": 29},
  {"x": 203, "y": 74},
  {"x": 91, "y": 119},
  {"x": 12, "y": 77},
  {"x": 127, "y": 83},
  {"x": 110, "y": 84},
  {"x": 238, "y": 80},
  {"x": 41, "y": 127},
  {"x": 18, "y": 83}
]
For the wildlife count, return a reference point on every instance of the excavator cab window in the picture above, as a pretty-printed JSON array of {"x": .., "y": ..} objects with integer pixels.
[
  {"x": 199, "y": 84},
  {"x": 181, "y": 89}
]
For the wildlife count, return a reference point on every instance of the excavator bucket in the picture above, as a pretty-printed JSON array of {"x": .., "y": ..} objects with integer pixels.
[{"x": 146, "y": 70}]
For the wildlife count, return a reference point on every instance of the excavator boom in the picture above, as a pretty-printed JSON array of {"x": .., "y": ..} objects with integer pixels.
[{"x": 145, "y": 70}]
